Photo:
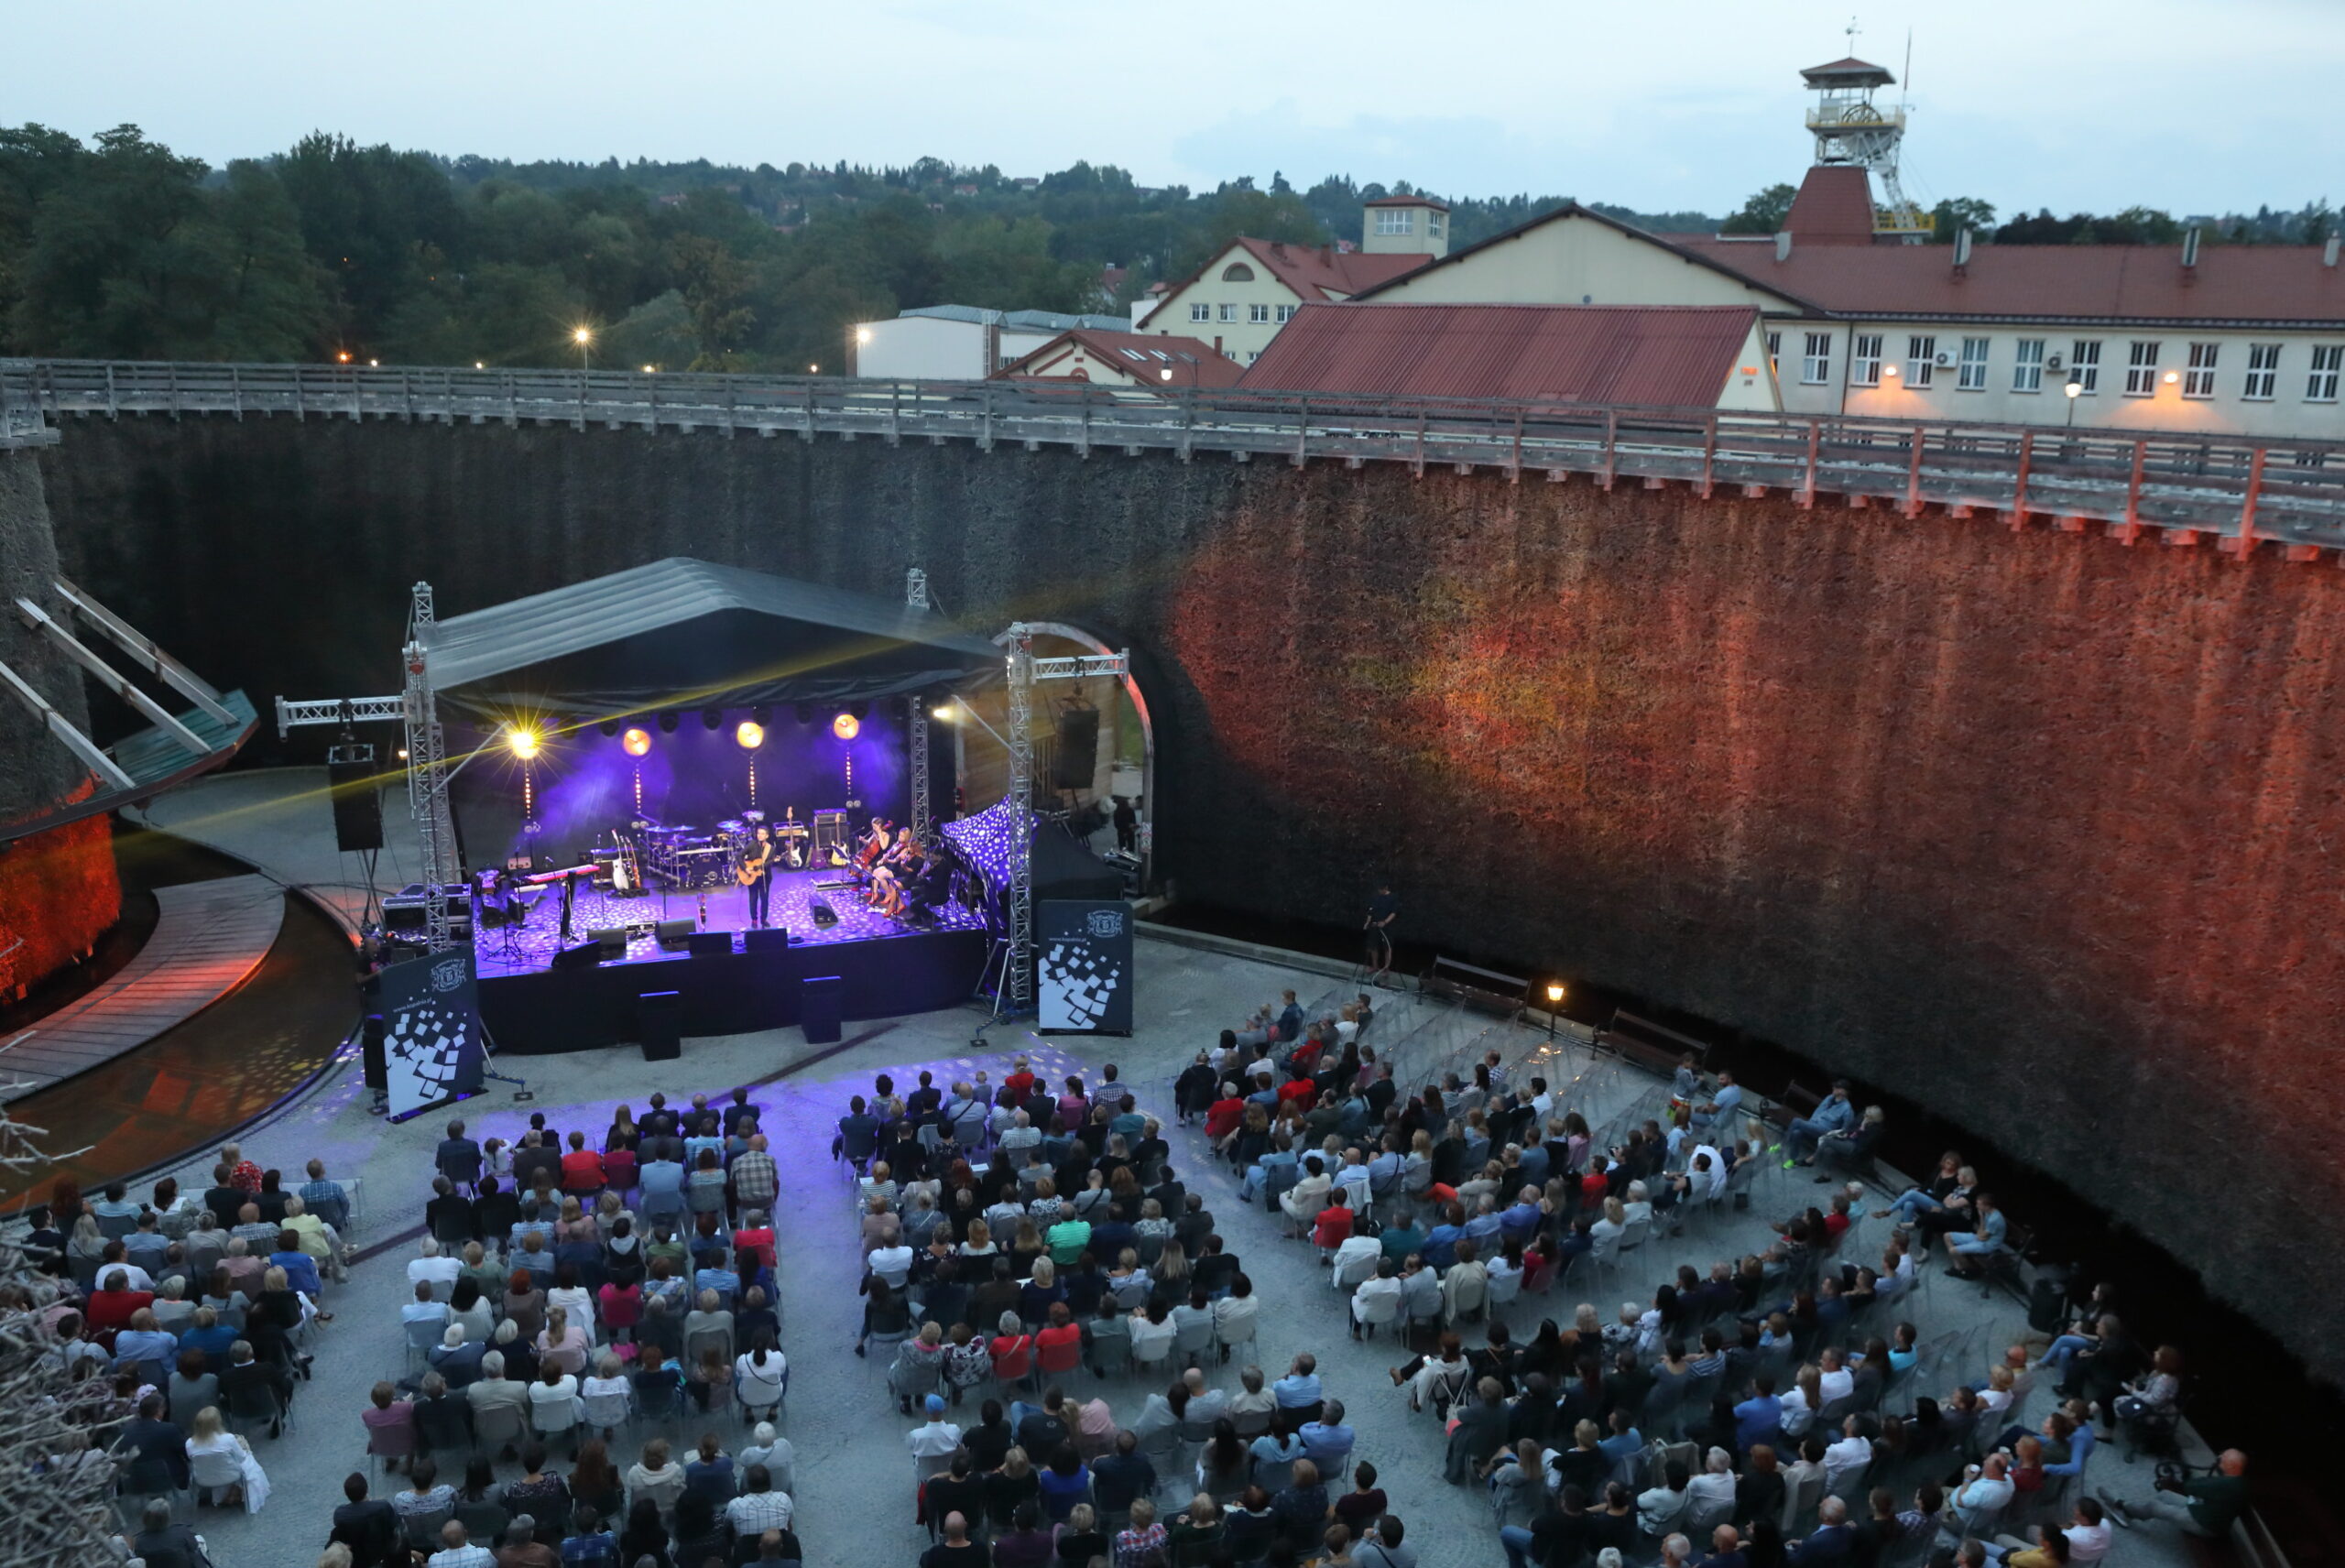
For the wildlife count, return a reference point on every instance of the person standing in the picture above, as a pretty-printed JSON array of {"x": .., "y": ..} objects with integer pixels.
[
  {"x": 758, "y": 868},
  {"x": 1382, "y": 911}
]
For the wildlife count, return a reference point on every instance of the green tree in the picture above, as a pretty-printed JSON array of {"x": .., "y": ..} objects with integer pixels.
[
  {"x": 1763, "y": 214},
  {"x": 1956, "y": 213},
  {"x": 715, "y": 288}
]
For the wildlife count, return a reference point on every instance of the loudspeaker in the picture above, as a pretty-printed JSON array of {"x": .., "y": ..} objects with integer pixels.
[
  {"x": 658, "y": 1023},
  {"x": 709, "y": 945},
  {"x": 673, "y": 934},
  {"x": 767, "y": 939},
  {"x": 823, "y": 914},
  {"x": 370, "y": 1046},
  {"x": 358, "y": 807},
  {"x": 1078, "y": 748},
  {"x": 586, "y": 955},
  {"x": 613, "y": 939},
  {"x": 819, "y": 1001}
]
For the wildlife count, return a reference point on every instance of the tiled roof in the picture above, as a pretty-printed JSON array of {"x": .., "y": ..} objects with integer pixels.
[
  {"x": 1834, "y": 207},
  {"x": 1144, "y": 357},
  {"x": 1578, "y": 353}
]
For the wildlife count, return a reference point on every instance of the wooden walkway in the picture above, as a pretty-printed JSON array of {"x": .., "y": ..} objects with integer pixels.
[{"x": 211, "y": 936}]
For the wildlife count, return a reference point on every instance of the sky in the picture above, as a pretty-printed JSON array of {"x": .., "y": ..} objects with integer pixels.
[{"x": 2190, "y": 105}]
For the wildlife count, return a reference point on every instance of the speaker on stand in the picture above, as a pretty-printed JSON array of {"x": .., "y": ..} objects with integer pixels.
[{"x": 1076, "y": 755}]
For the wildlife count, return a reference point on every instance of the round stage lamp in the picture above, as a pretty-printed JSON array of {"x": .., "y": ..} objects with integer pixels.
[
  {"x": 609, "y": 727},
  {"x": 521, "y": 741},
  {"x": 668, "y": 719},
  {"x": 636, "y": 743},
  {"x": 750, "y": 734},
  {"x": 847, "y": 726},
  {"x": 711, "y": 718}
]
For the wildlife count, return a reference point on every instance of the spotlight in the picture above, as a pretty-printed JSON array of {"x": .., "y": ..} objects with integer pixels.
[
  {"x": 710, "y": 718},
  {"x": 522, "y": 741},
  {"x": 847, "y": 726},
  {"x": 750, "y": 734},
  {"x": 609, "y": 726},
  {"x": 762, "y": 714},
  {"x": 668, "y": 718},
  {"x": 945, "y": 713},
  {"x": 636, "y": 742},
  {"x": 860, "y": 710},
  {"x": 805, "y": 712}
]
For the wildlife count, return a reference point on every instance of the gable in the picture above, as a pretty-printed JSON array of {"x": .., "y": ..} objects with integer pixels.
[{"x": 1573, "y": 258}]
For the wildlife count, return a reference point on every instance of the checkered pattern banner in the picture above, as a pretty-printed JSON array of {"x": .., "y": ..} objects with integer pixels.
[
  {"x": 1083, "y": 966},
  {"x": 431, "y": 1041}
]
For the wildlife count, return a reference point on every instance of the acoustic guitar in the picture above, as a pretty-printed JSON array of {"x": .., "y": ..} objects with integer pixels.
[{"x": 749, "y": 870}]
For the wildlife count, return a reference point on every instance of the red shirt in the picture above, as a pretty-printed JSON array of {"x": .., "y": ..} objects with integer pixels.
[
  {"x": 1009, "y": 1352},
  {"x": 582, "y": 1171},
  {"x": 1019, "y": 1084},
  {"x": 1223, "y": 1118},
  {"x": 246, "y": 1177},
  {"x": 1834, "y": 1224},
  {"x": 1333, "y": 1227},
  {"x": 1298, "y": 1089},
  {"x": 757, "y": 1244},
  {"x": 108, "y": 1311},
  {"x": 1058, "y": 1349}
]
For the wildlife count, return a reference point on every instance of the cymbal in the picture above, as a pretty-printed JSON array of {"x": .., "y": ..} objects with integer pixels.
[
  {"x": 730, "y": 824},
  {"x": 754, "y": 816}
]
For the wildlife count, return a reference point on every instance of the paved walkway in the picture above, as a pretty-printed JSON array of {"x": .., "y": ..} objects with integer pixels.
[{"x": 211, "y": 936}]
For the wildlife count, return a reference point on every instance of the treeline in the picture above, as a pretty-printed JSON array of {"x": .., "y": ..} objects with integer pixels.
[
  {"x": 2310, "y": 224},
  {"x": 120, "y": 247}
]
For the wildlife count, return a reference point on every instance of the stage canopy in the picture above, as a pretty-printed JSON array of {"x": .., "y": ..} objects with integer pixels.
[{"x": 685, "y": 633}]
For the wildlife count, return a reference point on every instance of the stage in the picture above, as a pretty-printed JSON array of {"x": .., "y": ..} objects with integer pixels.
[{"x": 887, "y": 967}]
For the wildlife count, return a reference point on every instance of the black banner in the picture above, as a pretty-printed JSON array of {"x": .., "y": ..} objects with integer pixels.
[
  {"x": 1083, "y": 966},
  {"x": 432, "y": 1039}
]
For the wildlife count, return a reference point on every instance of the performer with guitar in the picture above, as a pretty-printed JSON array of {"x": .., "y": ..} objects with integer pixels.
[{"x": 756, "y": 873}]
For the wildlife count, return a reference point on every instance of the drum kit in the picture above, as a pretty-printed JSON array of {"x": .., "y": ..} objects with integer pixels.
[{"x": 684, "y": 857}]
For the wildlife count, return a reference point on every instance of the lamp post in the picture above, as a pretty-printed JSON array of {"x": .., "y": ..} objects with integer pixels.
[
  {"x": 585, "y": 338},
  {"x": 1555, "y": 1004},
  {"x": 2073, "y": 390}
]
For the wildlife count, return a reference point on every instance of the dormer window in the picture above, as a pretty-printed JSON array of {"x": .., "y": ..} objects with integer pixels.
[
  {"x": 1396, "y": 221},
  {"x": 1238, "y": 272}
]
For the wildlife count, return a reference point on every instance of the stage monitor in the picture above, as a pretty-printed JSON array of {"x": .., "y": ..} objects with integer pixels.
[
  {"x": 613, "y": 940},
  {"x": 673, "y": 934},
  {"x": 766, "y": 938},
  {"x": 1083, "y": 966},
  {"x": 709, "y": 945},
  {"x": 586, "y": 955}
]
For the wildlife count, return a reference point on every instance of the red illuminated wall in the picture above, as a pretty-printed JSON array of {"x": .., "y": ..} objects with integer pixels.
[{"x": 57, "y": 894}]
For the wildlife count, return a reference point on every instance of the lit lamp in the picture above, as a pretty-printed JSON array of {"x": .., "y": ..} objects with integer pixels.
[
  {"x": 1888, "y": 373},
  {"x": 636, "y": 743},
  {"x": 521, "y": 741},
  {"x": 750, "y": 734},
  {"x": 2072, "y": 391},
  {"x": 847, "y": 726},
  {"x": 1555, "y": 1003},
  {"x": 584, "y": 337},
  {"x": 944, "y": 714}
]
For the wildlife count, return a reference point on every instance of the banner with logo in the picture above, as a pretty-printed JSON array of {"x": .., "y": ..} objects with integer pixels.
[
  {"x": 1083, "y": 966},
  {"x": 432, "y": 1039}
]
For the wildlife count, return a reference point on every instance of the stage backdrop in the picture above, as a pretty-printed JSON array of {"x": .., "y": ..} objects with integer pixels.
[
  {"x": 1083, "y": 966},
  {"x": 431, "y": 1041}
]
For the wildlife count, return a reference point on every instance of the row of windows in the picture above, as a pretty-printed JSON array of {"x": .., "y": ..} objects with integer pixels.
[
  {"x": 1401, "y": 221},
  {"x": 1870, "y": 367},
  {"x": 1256, "y": 315}
]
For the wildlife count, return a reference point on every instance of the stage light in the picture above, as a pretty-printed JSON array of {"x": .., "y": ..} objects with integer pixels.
[
  {"x": 750, "y": 734},
  {"x": 805, "y": 712},
  {"x": 761, "y": 713},
  {"x": 636, "y": 743},
  {"x": 860, "y": 710},
  {"x": 522, "y": 741},
  {"x": 609, "y": 726},
  {"x": 668, "y": 720},
  {"x": 944, "y": 712},
  {"x": 711, "y": 718},
  {"x": 847, "y": 726}
]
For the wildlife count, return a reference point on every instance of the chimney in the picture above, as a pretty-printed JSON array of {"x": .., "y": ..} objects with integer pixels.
[
  {"x": 2189, "y": 248},
  {"x": 1961, "y": 251},
  {"x": 1783, "y": 244},
  {"x": 2328, "y": 252}
]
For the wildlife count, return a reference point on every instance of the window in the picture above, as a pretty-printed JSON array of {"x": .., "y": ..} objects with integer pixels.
[
  {"x": 1395, "y": 221},
  {"x": 1238, "y": 272},
  {"x": 2141, "y": 370},
  {"x": 2027, "y": 365},
  {"x": 1286, "y": 313},
  {"x": 2084, "y": 364},
  {"x": 1775, "y": 351},
  {"x": 1433, "y": 224},
  {"x": 1253, "y": 355},
  {"x": 1201, "y": 312},
  {"x": 1259, "y": 314},
  {"x": 1864, "y": 359},
  {"x": 2199, "y": 381},
  {"x": 2263, "y": 372},
  {"x": 1972, "y": 374},
  {"x": 1816, "y": 364},
  {"x": 1921, "y": 356},
  {"x": 2327, "y": 360},
  {"x": 1133, "y": 353},
  {"x": 1229, "y": 313}
]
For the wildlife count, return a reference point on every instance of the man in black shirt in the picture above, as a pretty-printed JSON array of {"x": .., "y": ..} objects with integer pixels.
[
  {"x": 956, "y": 1550},
  {"x": 957, "y": 1491},
  {"x": 1044, "y": 1430},
  {"x": 369, "y": 1527}
]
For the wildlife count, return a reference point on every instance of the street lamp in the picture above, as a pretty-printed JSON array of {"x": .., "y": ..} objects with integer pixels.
[
  {"x": 2073, "y": 390},
  {"x": 584, "y": 337}
]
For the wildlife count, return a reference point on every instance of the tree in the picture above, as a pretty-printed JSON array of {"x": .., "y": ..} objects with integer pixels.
[
  {"x": 715, "y": 286},
  {"x": 1956, "y": 213},
  {"x": 1763, "y": 214}
]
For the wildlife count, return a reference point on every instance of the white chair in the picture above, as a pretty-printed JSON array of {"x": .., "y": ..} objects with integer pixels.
[
  {"x": 1356, "y": 1262},
  {"x": 214, "y": 1470},
  {"x": 609, "y": 1411},
  {"x": 1373, "y": 1311}
]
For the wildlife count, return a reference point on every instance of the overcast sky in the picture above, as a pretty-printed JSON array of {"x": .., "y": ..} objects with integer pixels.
[{"x": 2193, "y": 105}]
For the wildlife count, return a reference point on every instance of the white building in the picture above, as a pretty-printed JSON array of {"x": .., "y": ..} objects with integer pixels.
[
  {"x": 2225, "y": 339},
  {"x": 956, "y": 343}
]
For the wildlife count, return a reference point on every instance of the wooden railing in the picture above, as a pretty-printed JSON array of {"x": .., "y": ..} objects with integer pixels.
[{"x": 2236, "y": 490}]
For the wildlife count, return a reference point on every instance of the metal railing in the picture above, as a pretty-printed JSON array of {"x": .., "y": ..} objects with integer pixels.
[{"x": 2191, "y": 486}]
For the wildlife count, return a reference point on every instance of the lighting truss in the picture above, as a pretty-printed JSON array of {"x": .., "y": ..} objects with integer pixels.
[{"x": 1024, "y": 669}]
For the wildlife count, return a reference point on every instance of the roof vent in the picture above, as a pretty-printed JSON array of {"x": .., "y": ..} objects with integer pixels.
[
  {"x": 2328, "y": 252},
  {"x": 1961, "y": 251},
  {"x": 2190, "y": 247},
  {"x": 1783, "y": 244}
]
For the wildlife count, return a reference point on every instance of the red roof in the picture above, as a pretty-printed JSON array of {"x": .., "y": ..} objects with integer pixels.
[
  {"x": 1313, "y": 272},
  {"x": 1144, "y": 357},
  {"x": 1408, "y": 202},
  {"x": 1653, "y": 356},
  {"x": 1834, "y": 207},
  {"x": 2143, "y": 283}
]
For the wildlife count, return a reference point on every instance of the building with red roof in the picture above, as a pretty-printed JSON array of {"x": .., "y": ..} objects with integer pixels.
[{"x": 1139, "y": 359}]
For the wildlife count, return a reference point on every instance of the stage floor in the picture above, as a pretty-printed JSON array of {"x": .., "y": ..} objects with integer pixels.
[{"x": 532, "y": 946}]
